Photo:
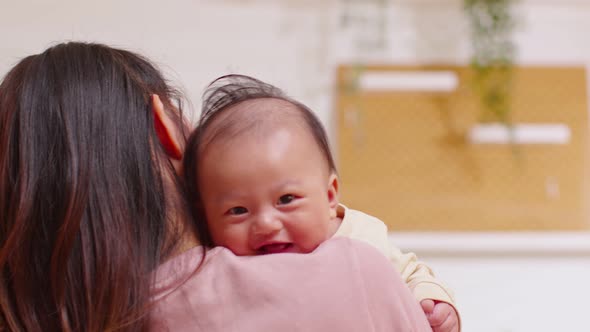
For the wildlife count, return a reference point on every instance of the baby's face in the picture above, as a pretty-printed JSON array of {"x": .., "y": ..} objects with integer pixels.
[{"x": 268, "y": 194}]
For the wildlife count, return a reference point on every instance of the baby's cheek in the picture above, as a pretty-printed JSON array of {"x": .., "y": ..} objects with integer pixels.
[
  {"x": 235, "y": 237},
  {"x": 221, "y": 235},
  {"x": 309, "y": 240}
]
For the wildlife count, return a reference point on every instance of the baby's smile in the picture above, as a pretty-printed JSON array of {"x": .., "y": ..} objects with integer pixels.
[{"x": 276, "y": 248}]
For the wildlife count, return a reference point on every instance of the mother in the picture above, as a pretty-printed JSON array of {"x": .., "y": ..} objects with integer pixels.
[{"x": 91, "y": 208}]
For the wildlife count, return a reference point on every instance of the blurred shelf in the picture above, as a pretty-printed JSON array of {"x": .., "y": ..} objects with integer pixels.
[{"x": 508, "y": 244}]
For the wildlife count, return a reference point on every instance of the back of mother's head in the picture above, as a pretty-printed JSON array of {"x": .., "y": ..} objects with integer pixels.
[{"x": 85, "y": 190}]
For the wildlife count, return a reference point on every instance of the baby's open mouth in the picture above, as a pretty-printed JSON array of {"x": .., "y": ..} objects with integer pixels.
[{"x": 275, "y": 248}]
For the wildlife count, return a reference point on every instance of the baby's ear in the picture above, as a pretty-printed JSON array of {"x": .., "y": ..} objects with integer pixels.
[
  {"x": 333, "y": 200},
  {"x": 166, "y": 129}
]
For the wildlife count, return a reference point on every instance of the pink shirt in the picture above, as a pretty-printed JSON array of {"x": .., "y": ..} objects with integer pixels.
[{"x": 344, "y": 285}]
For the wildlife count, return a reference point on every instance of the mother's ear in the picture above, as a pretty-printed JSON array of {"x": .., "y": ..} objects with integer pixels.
[{"x": 166, "y": 130}]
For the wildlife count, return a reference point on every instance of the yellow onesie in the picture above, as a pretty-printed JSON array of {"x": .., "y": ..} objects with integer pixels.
[{"x": 419, "y": 277}]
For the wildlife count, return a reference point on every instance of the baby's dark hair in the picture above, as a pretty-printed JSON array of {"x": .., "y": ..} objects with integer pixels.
[{"x": 221, "y": 94}]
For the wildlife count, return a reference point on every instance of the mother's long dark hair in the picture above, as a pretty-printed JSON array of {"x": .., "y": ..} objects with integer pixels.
[{"x": 83, "y": 210}]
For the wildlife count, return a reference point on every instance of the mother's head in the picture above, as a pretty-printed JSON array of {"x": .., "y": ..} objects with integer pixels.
[{"x": 89, "y": 201}]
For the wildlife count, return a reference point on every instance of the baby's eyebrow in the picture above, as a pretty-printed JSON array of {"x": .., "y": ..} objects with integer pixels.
[
  {"x": 287, "y": 183},
  {"x": 231, "y": 197}
]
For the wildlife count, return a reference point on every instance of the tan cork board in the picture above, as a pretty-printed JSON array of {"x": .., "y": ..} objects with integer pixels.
[{"x": 403, "y": 156}]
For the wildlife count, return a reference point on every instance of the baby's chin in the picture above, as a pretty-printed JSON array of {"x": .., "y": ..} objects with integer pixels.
[
  {"x": 279, "y": 248},
  {"x": 272, "y": 248}
]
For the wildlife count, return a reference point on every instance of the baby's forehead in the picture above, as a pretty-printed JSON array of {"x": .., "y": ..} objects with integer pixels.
[
  {"x": 265, "y": 108},
  {"x": 256, "y": 121},
  {"x": 256, "y": 118}
]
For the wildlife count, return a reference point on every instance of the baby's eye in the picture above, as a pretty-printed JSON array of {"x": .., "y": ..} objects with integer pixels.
[
  {"x": 237, "y": 210},
  {"x": 286, "y": 199}
]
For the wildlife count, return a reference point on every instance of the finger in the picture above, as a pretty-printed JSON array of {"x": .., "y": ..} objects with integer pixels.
[
  {"x": 440, "y": 314},
  {"x": 427, "y": 306},
  {"x": 450, "y": 325}
]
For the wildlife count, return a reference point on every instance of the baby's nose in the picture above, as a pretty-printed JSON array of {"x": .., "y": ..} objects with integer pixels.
[{"x": 266, "y": 223}]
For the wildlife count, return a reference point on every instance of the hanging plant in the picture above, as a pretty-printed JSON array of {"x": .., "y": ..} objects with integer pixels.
[{"x": 491, "y": 25}]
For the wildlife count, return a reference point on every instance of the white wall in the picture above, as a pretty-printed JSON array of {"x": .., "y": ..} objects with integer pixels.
[
  {"x": 511, "y": 282},
  {"x": 296, "y": 45},
  {"x": 195, "y": 41},
  {"x": 522, "y": 293}
]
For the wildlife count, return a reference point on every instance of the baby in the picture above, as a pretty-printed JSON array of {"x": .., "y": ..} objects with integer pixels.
[{"x": 262, "y": 180}]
